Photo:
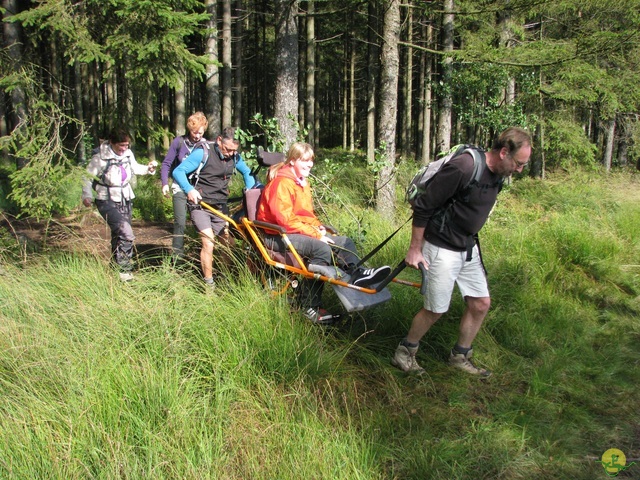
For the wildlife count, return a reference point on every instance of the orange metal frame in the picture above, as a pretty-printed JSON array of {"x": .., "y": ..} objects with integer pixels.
[{"x": 248, "y": 230}]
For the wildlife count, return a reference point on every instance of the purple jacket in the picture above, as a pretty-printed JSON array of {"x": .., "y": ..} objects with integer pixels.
[{"x": 180, "y": 148}]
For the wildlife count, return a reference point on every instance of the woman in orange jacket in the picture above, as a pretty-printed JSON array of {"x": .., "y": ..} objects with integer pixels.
[{"x": 286, "y": 201}]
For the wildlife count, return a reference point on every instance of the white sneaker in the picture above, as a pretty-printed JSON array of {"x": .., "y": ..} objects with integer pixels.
[
  {"x": 405, "y": 359},
  {"x": 463, "y": 362},
  {"x": 320, "y": 316},
  {"x": 126, "y": 276}
]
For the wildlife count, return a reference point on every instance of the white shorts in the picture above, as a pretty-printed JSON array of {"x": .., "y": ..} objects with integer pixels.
[{"x": 447, "y": 268}]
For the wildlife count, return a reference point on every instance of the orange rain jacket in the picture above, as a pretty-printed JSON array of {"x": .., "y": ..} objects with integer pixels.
[{"x": 287, "y": 203}]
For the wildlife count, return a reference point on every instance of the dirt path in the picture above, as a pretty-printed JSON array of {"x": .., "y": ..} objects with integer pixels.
[{"x": 84, "y": 231}]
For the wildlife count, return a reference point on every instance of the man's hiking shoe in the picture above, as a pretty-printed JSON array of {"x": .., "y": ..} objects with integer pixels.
[
  {"x": 405, "y": 359},
  {"x": 463, "y": 362},
  {"x": 320, "y": 316},
  {"x": 126, "y": 276},
  {"x": 209, "y": 284},
  {"x": 370, "y": 276}
]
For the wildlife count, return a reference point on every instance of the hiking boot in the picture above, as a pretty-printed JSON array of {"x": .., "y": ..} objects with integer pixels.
[
  {"x": 463, "y": 362},
  {"x": 209, "y": 284},
  {"x": 369, "y": 276},
  {"x": 126, "y": 276},
  {"x": 405, "y": 360},
  {"x": 320, "y": 316}
]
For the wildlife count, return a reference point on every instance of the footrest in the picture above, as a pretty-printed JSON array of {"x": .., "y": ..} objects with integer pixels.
[{"x": 355, "y": 300}]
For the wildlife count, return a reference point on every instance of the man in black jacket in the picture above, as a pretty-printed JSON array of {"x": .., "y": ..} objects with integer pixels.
[
  {"x": 212, "y": 166},
  {"x": 447, "y": 218}
]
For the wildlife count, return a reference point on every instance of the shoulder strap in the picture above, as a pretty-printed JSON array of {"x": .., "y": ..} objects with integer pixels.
[
  {"x": 205, "y": 156},
  {"x": 479, "y": 163},
  {"x": 100, "y": 180}
]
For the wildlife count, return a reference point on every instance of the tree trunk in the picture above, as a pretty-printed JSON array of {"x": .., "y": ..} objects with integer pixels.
[
  {"x": 212, "y": 73},
  {"x": 505, "y": 28},
  {"x": 407, "y": 88},
  {"x": 352, "y": 97},
  {"x": 622, "y": 156},
  {"x": 316, "y": 125},
  {"x": 238, "y": 100},
  {"x": 93, "y": 100},
  {"x": 151, "y": 144},
  {"x": 78, "y": 111},
  {"x": 180, "y": 116},
  {"x": 107, "y": 78},
  {"x": 226, "y": 65},
  {"x": 446, "y": 102},
  {"x": 262, "y": 63},
  {"x": 54, "y": 67},
  {"x": 13, "y": 43},
  {"x": 385, "y": 203},
  {"x": 372, "y": 78},
  {"x": 4, "y": 128},
  {"x": 425, "y": 115},
  {"x": 537, "y": 167},
  {"x": 286, "y": 94},
  {"x": 609, "y": 135},
  {"x": 345, "y": 98},
  {"x": 166, "y": 119},
  {"x": 310, "y": 98},
  {"x": 623, "y": 153},
  {"x": 302, "y": 75}
]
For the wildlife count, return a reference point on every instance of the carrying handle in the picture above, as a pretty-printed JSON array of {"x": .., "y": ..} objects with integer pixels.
[
  {"x": 401, "y": 266},
  {"x": 423, "y": 285}
]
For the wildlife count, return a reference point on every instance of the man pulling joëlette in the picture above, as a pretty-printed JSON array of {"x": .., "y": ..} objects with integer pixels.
[
  {"x": 447, "y": 245},
  {"x": 211, "y": 185}
]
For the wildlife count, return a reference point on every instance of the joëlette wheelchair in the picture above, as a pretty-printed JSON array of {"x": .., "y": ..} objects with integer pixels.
[{"x": 280, "y": 271}]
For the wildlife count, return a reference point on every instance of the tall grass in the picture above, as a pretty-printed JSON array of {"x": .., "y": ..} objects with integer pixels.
[{"x": 159, "y": 379}]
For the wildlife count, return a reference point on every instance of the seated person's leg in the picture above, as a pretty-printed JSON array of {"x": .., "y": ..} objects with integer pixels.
[
  {"x": 345, "y": 251},
  {"x": 363, "y": 277},
  {"x": 316, "y": 251},
  {"x": 309, "y": 293}
]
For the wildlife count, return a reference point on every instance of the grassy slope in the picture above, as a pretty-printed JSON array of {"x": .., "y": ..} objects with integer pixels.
[{"x": 154, "y": 379}]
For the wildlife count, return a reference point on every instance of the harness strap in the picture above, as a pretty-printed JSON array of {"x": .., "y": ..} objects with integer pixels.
[
  {"x": 477, "y": 238},
  {"x": 384, "y": 242},
  {"x": 470, "y": 244}
]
